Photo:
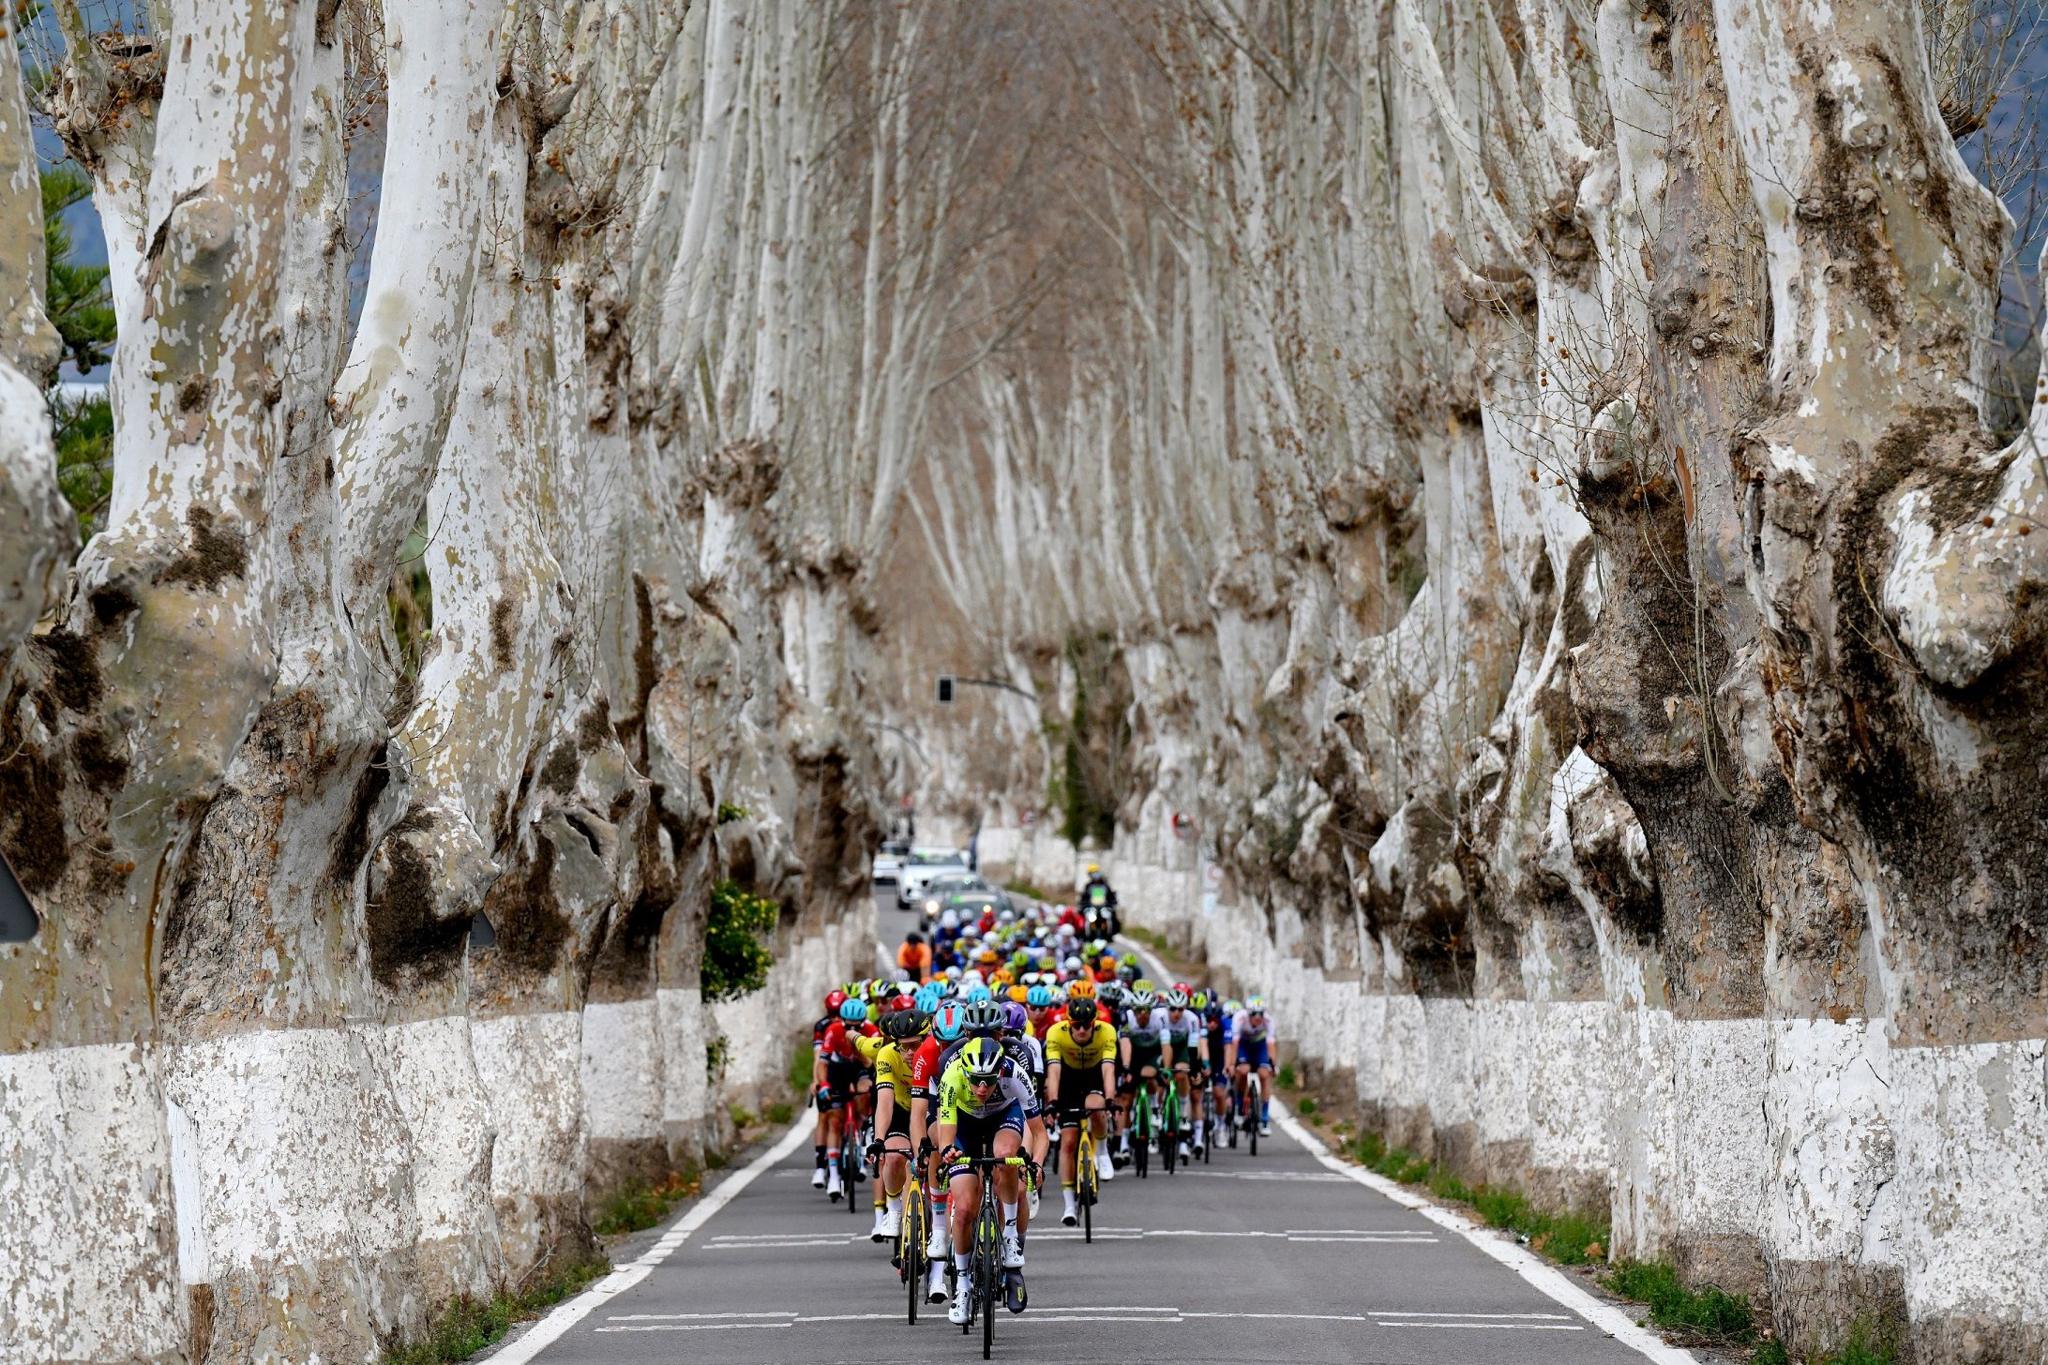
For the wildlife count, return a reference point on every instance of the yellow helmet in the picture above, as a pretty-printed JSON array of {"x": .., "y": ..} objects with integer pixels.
[
  {"x": 1003, "y": 977},
  {"x": 1093, "y": 869},
  {"x": 1020, "y": 994},
  {"x": 1081, "y": 988}
]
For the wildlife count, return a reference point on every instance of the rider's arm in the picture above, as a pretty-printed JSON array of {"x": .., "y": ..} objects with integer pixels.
[
  {"x": 1052, "y": 1078},
  {"x": 885, "y": 1106}
]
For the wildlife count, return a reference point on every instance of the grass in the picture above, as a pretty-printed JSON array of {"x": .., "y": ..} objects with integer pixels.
[
  {"x": 644, "y": 1205},
  {"x": 467, "y": 1326},
  {"x": 1705, "y": 1313},
  {"x": 800, "y": 1063},
  {"x": 1864, "y": 1345},
  {"x": 780, "y": 1112},
  {"x": 1567, "y": 1238},
  {"x": 742, "y": 1117}
]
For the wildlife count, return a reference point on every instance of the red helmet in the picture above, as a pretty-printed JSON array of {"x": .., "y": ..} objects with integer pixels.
[
  {"x": 836, "y": 1040},
  {"x": 833, "y": 1000},
  {"x": 899, "y": 1004}
]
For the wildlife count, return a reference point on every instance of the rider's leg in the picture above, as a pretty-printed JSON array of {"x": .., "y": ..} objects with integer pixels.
[
  {"x": 1010, "y": 1190},
  {"x": 1266, "y": 1096}
]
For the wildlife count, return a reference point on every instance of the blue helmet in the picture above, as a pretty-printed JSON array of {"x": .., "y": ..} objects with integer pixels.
[
  {"x": 928, "y": 1000},
  {"x": 854, "y": 1012},
  {"x": 977, "y": 993},
  {"x": 949, "y": 1023},
  {"x": 1040, "y": 997}
]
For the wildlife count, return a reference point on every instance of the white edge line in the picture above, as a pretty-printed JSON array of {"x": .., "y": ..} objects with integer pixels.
[
  {"x": 1540, "y": 1274},
  {"x": 551, "y": 1328}
]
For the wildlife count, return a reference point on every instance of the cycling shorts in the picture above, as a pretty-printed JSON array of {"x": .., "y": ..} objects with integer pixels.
[
  {"x": 977, "y": 1136},
  {"x": 899, "y": 1122},
  {"x": 842, "y": 1076},
  {"x": 1142, "y": 1057},
  {"x": 1255, "y": 1054}
]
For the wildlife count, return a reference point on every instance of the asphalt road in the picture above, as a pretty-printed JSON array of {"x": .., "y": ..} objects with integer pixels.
[{"x": 1266, "y": 1258}]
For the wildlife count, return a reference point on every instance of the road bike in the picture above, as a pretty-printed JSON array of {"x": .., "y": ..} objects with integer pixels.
[
  {"x": 1086, "y": 1178},
  {"x": 853, "y": 1140},
  {"x": 990, "y": 1278},
  {"x": 1143, "y": 1126},
  {"x": 1169, "y": 1124},
  {"x": 909, "y": 1260},
  {"x": 1253, "y": 1107}
]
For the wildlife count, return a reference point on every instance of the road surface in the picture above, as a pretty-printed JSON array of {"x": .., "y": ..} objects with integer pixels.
[{"x": 1266, "y": 1258}]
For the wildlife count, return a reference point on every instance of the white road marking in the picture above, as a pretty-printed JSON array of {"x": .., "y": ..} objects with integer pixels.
[
  {"x": 690, "y": 1317},
  {"x": 1540, "y": 1275},
  {"x": 1499, "y": 1326},
  {"x": 692, "y": 1326},
  {"x": 1391, "y": 1313},
  {"x": 1305, "y": 1317},
  {"x": 550, "y": 1329}
]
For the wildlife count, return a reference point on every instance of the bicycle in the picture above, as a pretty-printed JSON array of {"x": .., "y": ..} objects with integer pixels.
[
  {"x": 909, "y": 1260},
  {"x": 1087, "y": 1180},
  {"x": 1253, "y": 1107},
  {"x": 987, "y": 1258},
  {"x": 1169, "y": 1126},
  {"x": 1142, "y": 1128},
  {"x": 853, "y": 1137}
]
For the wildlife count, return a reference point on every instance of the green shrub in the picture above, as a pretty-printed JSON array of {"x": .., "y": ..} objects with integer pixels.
[
  {"x": 728, "y": 812},
  {"x": 801, "y": 1065},
  {"x": 736, "y": 962},
  {"x": 1307, "y": 1106},
  {"x": 641, "y": 1206},
  {"x": 467, "y": 1326},
  {"x": 1287, "y": 1079},
  {"x": 741, "y": 1116},
  {"x": 1567, "y": 1238},
  {"x": 781, "y": 1112},
  {"x": 1706, "y": 1312},
  {"x": 1771, "y": 1353}
]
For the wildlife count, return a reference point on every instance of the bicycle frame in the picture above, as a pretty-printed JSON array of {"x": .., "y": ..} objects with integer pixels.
[{"x": 988, "y": 1250}]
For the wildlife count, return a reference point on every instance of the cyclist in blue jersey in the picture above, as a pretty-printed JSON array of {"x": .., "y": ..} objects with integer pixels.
[{"x": 1252, "y": 1048}]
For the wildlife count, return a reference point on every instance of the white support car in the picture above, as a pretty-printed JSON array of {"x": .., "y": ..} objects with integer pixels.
[
  {"x": 920, "y": 865},
  {"x": 889, "y": 861}
]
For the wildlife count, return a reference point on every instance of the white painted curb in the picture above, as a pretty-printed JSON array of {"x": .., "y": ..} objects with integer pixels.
[
  {"x": 566, "y": 1315},
  {"x": 1542, "y": 1276}
]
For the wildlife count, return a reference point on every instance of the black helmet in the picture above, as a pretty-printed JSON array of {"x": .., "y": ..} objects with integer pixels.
[{"x": 1081, "y": 1011}]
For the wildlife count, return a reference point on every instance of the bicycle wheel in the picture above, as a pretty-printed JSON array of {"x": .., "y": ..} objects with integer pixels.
[
  {"x": 849, "y": 1168},
  {"x": 1251, "y": 1114},
  {"x": 1169, "y": 1130},
  {"x": 991, "y": 1292},
  {"x": 911, "y": 1252},
  {"x": 1141, "y": 1133}
]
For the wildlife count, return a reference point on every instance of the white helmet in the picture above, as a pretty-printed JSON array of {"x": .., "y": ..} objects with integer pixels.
[
  {"x": 970, "y": 979},
  {"x": 949, "y": 919},
  {"x": 952, "y": 973},
  {"x": 1072, "y": 964}
]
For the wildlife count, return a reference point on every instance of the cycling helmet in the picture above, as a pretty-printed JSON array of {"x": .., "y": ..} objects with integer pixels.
[
  {"x": 1040, "y": 997},
  {"x": 1128, "y": 974},
  {"x": 953, "y": 973},
  {"x": 969, "y": 979},
  {"x": 1175, "y": 998},
  {"x": 854, "y": 1012},
  {"x": 1014, "y": 1018},
  {"x": 1071, "y": 965},
  {"x": 984, "y": 1016},
  {"x": 949, "y": 920},
  {"x": 899, "y": 1026},
  {"x": 928, "y": 999},
  {"x": 1093, "y": 869},
  {"x": 1144, "y": 983},
  {"x": 1143, "y": 1000},
  {"x": 1083, "y": 989},
  {"x": 1081, "y": 1011},
  {"x": 983, "y": 1060},
  {"x": 1111, "y": 993},
  {"x": 1019, "y": 994},
  {"x": 1199, "y": 1002},
  {"x": 950, "y": 1022},
  {"x": 1255, "y": 1004},
  {"x": 1004, "y": 977},
  {"x": 1233, "y": 1006},
  {"x": 1213, "y": 1012},
  {"x": 976, "y": 994},
  {"x": 897, "y": 1004},
  {"x": 833, "y": 1000}
]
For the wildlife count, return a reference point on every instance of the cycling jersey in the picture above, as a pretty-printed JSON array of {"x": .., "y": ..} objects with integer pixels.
[
  {"x": 1071, "y": 1053},
  {"x": 957, "y": 1100},
  {"x": 924, "y": 1067},
  {"x": 892, "y": 1068},
  {"x": 1254, "y": 1044},
  {"x": 1147, "y": 1031},
  {"x": 1020, "y": 1056},
  {"x": 1184, "y": 1035}
]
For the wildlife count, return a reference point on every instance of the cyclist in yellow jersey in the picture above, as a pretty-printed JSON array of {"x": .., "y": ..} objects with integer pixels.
[
  {"x": 1080, "y": 1072},
  {"x": 983, "y": 1097},
  {"x": 892, "y": 1113}
]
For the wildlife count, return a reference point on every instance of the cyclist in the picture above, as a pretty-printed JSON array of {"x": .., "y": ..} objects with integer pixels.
[
  {"x": 949, "y": 1026},
  {"x": 1100, "y": 902},
  {"x": 836, "y": 1074},
  {"x": 1080, "y": 1067},
  {"x": 833, "y": 1000},
  {"x": 902, "y": 1028},
  {"x": 1252, "y": 1047},
  {"x": 982, "y": 1099},
  {"x": 1143, "y": 1043},
  {"x": 1221, "y": 1029},
  {"x": 1187, "y": 1053}
]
